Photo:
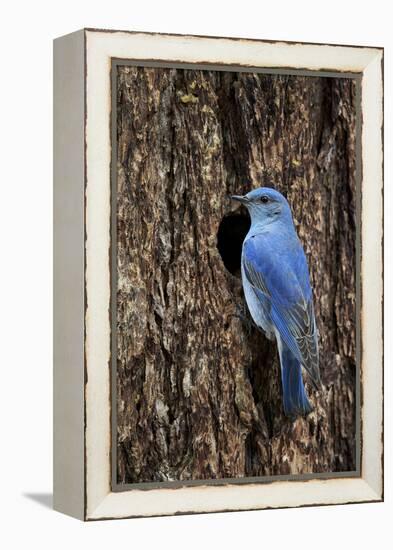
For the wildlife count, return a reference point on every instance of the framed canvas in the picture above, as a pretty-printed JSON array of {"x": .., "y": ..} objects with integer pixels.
[{"x": 218, "y": 336}]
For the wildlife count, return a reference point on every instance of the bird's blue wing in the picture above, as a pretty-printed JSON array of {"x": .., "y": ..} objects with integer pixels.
[{"x": 279, "y": 270}]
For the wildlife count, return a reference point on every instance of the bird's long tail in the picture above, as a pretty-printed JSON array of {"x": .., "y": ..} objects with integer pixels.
[{"x": 295, "y": 398}]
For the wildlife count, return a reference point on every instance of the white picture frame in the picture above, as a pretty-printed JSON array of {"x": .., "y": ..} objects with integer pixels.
[{"x": 82, "y": 172}]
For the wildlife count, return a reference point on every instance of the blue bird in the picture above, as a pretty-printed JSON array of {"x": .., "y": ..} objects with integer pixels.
[{"x": 278, "y": 293}]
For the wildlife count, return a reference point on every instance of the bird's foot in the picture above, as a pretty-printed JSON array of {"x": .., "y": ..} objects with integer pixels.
[{"x": 243, "y": 314}]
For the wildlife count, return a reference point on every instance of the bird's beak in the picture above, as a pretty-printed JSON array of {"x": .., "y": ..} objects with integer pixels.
[{"x": 239, "y": 198}]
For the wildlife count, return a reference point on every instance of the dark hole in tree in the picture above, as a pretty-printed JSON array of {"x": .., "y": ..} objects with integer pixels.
[{"x": 231, "y": 233}]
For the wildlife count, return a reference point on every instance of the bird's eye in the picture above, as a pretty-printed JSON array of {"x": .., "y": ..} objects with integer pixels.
[{"x": 264, "y": 199}]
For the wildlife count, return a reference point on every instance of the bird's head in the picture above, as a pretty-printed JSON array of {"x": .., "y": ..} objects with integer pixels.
[{"x": 264, "y": 205}]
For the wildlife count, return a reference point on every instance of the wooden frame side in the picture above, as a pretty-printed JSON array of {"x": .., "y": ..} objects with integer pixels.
[
  {"x": 372, "y": 273},
  {"x": 101, "y": 501},
  {"x": 68, "y": 210}
]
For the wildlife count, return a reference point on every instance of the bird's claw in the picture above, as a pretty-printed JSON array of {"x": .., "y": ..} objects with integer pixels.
[{"x": 242, "y": 314}]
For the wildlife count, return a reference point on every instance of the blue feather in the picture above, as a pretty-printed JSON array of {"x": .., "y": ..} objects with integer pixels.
[{"x": 294, "y": 395}]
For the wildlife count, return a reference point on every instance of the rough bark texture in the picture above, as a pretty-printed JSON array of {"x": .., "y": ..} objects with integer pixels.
[{"x": 198, "y": 389}]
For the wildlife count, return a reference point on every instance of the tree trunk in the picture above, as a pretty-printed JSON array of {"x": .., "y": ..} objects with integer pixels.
[{"x": 198, "y": 388}]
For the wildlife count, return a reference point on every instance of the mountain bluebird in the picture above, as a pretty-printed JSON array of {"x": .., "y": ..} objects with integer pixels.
[{"x": 278, "y": 293}]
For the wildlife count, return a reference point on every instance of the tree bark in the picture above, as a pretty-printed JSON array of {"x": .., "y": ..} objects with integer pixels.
[{"x": 198, "y": 389}]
